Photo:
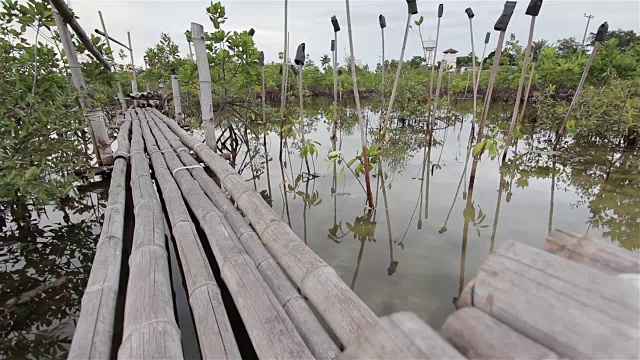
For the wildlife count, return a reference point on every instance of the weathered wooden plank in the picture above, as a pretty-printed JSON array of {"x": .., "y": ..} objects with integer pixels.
[
  {"x": 347, "y": 315},
  {"x": 574, "y": 310},
  {"x": 596, "y": 253},
  {"x": 314, "y": 335},
  {"x": 400, "y": 336},
  {"x": 212, "y": 323},
  {"x": 150, "y": 329},
  {"x": 271, "y": 331},
  {"x": 479, "y": 336},
  {"x": 94, "y": 331}
]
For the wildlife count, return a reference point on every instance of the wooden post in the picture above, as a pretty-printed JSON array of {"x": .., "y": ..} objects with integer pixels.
[
  {"x": 177, "y": 103},
  {"x": 134, "y": 82},
  {"x": 204, "y": 75},
  {"x": 97, "y": 127},
  {"x": 523, "y": 75},
  {"x": 123, "y": 103}
]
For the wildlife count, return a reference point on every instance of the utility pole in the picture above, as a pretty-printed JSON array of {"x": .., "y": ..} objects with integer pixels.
[{"x": 589, "y": 17}]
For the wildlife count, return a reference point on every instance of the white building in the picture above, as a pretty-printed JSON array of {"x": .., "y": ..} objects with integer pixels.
[{"x": 450, "y": 56}]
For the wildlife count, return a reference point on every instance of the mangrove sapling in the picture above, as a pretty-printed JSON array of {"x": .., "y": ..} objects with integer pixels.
[
  {"x": 470, "y": 15},
  {"x": 599, "y": 39},
  {"x": 532, "y": 10},
  {"x": 412, "y": 10},
  {"x": 334, "y": 50},
  {"x": 383, "y": 24},
  {"x": 536, "y": 56},
  {"x": 356, "y": 95}
]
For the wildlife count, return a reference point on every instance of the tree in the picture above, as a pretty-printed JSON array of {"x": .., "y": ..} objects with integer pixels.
[
  {"x": 325, "y": 61},
  {"x": 569, "y": 48}
]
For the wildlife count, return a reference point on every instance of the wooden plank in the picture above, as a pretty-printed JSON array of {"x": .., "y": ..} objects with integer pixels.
[
  {"x": 400, "y": 336},
  {"x": 314, "y": 335},
  {"x": 574, "y": 310},
  {"x": 479, "y": 336},
  {"x": 347, "y": 315},
  {"x": 596, "y": 253},
  {"x": 212, "y": 323},
  {"x": 271, "y": 331},
  {"x": 94, "y": 331},
  {"x": 150, "y": 329}
]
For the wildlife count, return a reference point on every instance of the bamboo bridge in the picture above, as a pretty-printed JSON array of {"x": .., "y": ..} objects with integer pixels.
[
  {"x": 567, "y": 302},
  {"x": 249, "y": 276}
]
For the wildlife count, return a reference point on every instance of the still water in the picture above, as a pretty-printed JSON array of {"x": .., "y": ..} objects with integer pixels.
[{"x": 427, "y": 238}]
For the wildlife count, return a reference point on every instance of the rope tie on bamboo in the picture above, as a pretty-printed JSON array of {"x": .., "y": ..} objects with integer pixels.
[
  {"x": 182, "y": 149},
  {"x": 185, "y": 167},
  {"x": 160, "y": 151},
  {"x": 195, "y": 148},
  {"x": 137, "y": 151}
]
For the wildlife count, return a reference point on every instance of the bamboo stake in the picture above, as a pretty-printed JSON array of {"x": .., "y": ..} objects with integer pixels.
[
  {"x": 134, "y": 82},
  {"x": 123, "y": 104},
  {"x": 398, "y": 73},
  {"x": 536, "y": 54},
  {"x": 443, "y": 64},
  {"x": 204, "y": 76},
  {"x": 484, "y": 51},
  {"x": 383, "y": 24},
  {"x": 334, "y": 49},
  {"x": 600, "y": 37},
  {"x": 299, "y": 60},
  {"x": 473, "y": 61},
  {"x": 265, "y": 123},
  {"x": 283, "y": 89},
  {"x": 363, "y": 134},
  {"x": 435, "y": 52},
  {"x": 533, "y": 10}
]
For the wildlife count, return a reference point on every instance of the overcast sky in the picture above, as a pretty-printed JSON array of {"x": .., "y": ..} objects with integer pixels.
[{"x": 309, "y": 21}]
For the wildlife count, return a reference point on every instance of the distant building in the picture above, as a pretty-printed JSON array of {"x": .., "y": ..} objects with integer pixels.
[{"x": 450, "y": 56}]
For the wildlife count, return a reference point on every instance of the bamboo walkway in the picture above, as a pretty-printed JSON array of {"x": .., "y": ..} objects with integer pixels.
[{"x": 575, "y": 300}]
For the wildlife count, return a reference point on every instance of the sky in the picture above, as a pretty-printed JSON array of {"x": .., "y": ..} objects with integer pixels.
[{"x": 309, "y": 22}]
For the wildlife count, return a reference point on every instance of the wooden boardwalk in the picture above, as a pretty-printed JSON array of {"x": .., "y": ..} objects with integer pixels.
[{"x": 575, "y": 300}]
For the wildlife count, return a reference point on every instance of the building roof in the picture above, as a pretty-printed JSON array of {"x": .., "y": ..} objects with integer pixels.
[{"x": 450, "y": 51}]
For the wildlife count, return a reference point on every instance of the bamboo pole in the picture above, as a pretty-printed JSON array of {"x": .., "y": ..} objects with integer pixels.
[
  {"x": 93, "y": 336},
  {"x": 470, "y": 15},
  {"x": 270, "y": 329},
  {"x": 204, "y": 76},
  {"x": 484, "y": 51},
  {"x": 343, "y": 310},
  {"x": 397, "y": 79},
  {"x": 283, "y": 89},
  {"x": 383, "y": 24},
  {"x": 533, "y": 10},
  {"x": 435, "y": 52},
  {"x": 134, "y": 82},
  {"x": 356, "y": 95},
  {"x": 123, "y": 104},
  {"x": 150, "y": 329},
  {"x": 265, "y": 123},
  {"x": 293, "y": 303},
  {"x": 334, "y": 48},
  {"x": 600, "y": 37},
  {"x": 443, "y": 65},
  {"x": 177, "y": 103},
  {"x": 209, "y": 315},
  {"x": 536, "y": 54},
  {"x": 101, "y": 145}
]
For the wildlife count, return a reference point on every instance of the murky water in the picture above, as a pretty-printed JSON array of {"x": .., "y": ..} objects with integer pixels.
[{"x": 427, "y": 238}]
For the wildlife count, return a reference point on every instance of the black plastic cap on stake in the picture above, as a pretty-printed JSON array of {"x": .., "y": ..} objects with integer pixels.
[
  {"x": 469, "y": 13},
  {"x": 295, "y": 70},
  {"x": 536, "y": 55},
  {"x": 334, "y": 22},
  {"x": 333, "y": 45},
  {"x": 299, "y": 60},
  {"x": 261, "y": 58},
  {"x": 534, "y": 8},
  {"x": 440, "y": 10},
  {"x": 339, "y": 72},
  {"x": 382, "y": 21},
  {"x": 487, "y": 37},
  {"x": 251, "y": 32},
  {"x": 507, "y": 12},
  {"x": 413, "y": 6},
  {"x": 602, "y": 32}
]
